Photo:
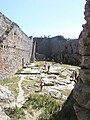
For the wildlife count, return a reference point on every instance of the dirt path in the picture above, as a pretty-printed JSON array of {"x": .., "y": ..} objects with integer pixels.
[{"x": 20, "y": 97}]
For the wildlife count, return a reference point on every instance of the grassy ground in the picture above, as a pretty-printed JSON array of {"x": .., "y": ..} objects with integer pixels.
[
  {"x": 36, "y": 100},
  {"x": 12, "y": 84}
]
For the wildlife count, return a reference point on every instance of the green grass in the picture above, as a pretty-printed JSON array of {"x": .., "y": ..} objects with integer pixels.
[
  {"x": 24, "y": 86},
  {"x": 13, "y": 79},
  {"x": 35, "y": 102},
  {"x": 47, "y": 103},
  {"x": 15, "y": 113},
  {"x": 30, "y": 83},
  {"x": 13, "y": 88},
  {"x": 12, "y": 84}
]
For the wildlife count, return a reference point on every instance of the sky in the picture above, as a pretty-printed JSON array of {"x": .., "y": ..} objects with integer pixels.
[{"x": 46, "y": 17}]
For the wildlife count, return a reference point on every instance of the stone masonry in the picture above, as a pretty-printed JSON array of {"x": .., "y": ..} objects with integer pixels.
[
  {"x": 15, "y": 47},
  {"x": 59, "y": 49},
  {"x": 82, "y": 89}
]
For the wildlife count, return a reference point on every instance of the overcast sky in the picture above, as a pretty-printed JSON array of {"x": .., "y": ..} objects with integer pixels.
[{"x": 46, "y": 17}]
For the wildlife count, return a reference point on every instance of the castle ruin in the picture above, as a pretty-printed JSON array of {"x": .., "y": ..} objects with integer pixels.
[
  {"x": 58, "y": 49},
  {"x": 15, "y": 47}
]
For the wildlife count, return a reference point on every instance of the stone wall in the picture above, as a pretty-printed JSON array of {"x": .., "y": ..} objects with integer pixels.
[
  {"x": 59, "y": 49},
  {"x": 82, "y": 89},
  {"x": 42, "y": 46},
  {"x": 15, "y": 47}
]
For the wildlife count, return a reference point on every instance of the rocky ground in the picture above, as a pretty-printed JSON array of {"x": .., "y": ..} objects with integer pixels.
[{"x": 16, "y": 90}]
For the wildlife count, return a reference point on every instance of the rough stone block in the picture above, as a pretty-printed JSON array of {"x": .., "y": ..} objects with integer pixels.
[
  {"x": 85, "y": 75},
  {"x": 84, "y": 50},
  {"x": 87, "y": 5},
  {"x": 85, "y": 62},
  {"x": 82, "y": 114},
  {"x": 87, "y": 13},
  {"x": 84, "y": 41},
  {"x": 82, "y": 95},
  {"x": 87, "y": 19}
]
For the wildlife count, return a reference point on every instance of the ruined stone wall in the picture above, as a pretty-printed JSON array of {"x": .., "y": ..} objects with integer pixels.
[
  {"x": 65, "y": 50},
  {"x": 15, "y": 47},
  {"x": 59, "y": 49},
  {"x": 82, "y": 89},
  {"x": 42, "y": 46}
]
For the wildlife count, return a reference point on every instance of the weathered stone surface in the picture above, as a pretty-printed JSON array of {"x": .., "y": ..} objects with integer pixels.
[
  {"x": 33, "y": 52},
  {"x": 85, "y": 76},
  {"x": 4, "y": 93},
  {"x": 3, "y": 116},
  {"x": 6, "y": 97},
  {"x": 82, "y": 91},
  {"x": 87, "y": 12},
  {"x": 84, "y": 50},
  {"x": 85, "y": 62},
  {"x": 4, "y": 24},
  {"x": 67, "y": 112},
  {"x": 82, "y": 114},
  {"x": 85, "y": 41},
  {"x": 82, "y": 95},
  {"x": 55, "y": 93},
  {"x": 59, "y": 49},
  {"x": 15, "y": 47},
  {"x": 87, "y": 0},
  {"x": 40, "y": 56}
]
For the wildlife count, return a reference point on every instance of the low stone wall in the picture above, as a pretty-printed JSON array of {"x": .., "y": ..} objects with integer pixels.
[{"x": 15, "y": 47}]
